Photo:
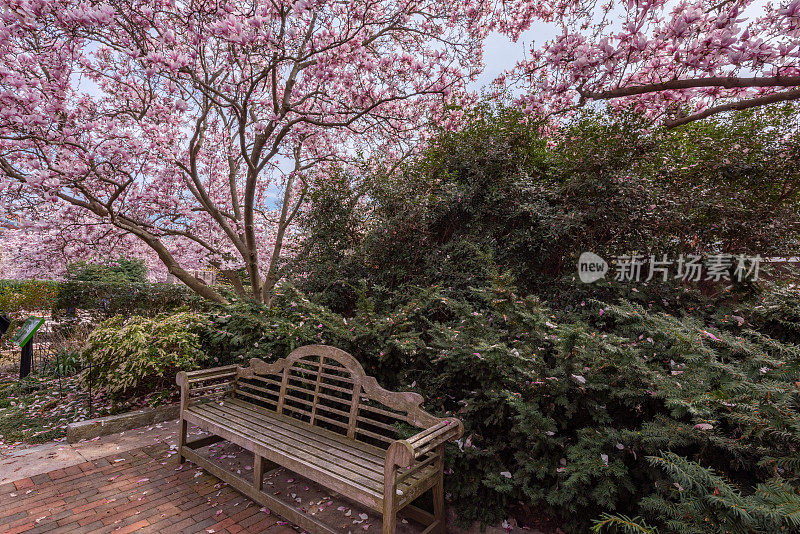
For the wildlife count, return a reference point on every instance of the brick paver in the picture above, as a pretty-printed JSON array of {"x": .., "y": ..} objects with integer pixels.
[{"x": 142, "y": 490}]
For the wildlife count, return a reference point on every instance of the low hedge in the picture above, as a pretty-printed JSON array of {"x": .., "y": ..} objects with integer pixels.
[
  {"x": 101, "y": 298},
  {"x": 27, "y": 295}
]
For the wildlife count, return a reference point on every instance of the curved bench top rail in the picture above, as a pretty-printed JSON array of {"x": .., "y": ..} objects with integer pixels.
[{"x": 407, "y": 402}]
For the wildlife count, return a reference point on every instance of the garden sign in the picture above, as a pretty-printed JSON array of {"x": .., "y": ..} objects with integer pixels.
[{"x": 27, "y": 330}]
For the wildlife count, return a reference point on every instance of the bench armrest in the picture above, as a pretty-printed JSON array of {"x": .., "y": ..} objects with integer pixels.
[
  {"x": 191, "y": 382},
  {"x": 404, "y": 452},
  {"x": 187, "y": 378}
]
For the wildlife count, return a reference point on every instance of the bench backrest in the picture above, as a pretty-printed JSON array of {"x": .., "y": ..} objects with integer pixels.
[{"x": 326, "y": 387}]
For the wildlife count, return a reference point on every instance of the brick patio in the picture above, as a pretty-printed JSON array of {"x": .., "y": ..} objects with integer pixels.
[{"x": 141, "y": 490}]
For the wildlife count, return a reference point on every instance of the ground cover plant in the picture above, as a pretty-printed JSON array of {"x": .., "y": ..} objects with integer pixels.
[{"x": 39, "y": 408}]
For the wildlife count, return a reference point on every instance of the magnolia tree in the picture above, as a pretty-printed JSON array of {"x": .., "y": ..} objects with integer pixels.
[
  {"x": 676, "y": 61},
  {"x": 192, "y": 126},
  {"x": 63, "y": 234}
]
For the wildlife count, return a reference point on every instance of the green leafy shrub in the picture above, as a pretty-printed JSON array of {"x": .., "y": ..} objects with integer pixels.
[
  {"x": 140, "y": 354},
  {"x": 66, "y": 362},
  {"x": 104, "y": 299},
  {"x": 118, "y": 271}
]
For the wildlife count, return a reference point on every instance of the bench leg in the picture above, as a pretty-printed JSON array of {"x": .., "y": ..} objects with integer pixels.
[
  {"x": 389, "y": 518},
  {"x": 184, "y": 427},
  {"x": 438, "y": 502},
  {"x": 389, "y": 497},
  {"x": 258, "y": 472},
  {"x": 438, "y": 492},
  {"x": 260, "y": 466}
]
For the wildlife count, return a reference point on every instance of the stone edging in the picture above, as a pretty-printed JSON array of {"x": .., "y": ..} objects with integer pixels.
[{"x": 112, "y": 424}]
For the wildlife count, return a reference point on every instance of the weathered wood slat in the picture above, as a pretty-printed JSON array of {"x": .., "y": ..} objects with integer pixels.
[
  {"x": 377, "y": 424},
  {"x": 381, "y": 411},
  {"x": 417, "y": 468},
  {"x": 252, "y": 396},
  {"x": 266, "y": 391},
  {"x": 321, "y": 451},
  {"x": 330, "y": 409},
  {"x": 313, "y": 382},
  {"x": 374, "y": 435},
  {"x": 423, "y": 437},
  {"x": 306, "y": 413},
  {"x": 420, "y": 486},
  {"x": 369, "y": 451},
  {"x": 266, "y": 380},
  {"x": 365, "y": 453},
  {"x": 217, "y": 370},
  {"x": 335, "y": 367},
  {"x": 211, "y": 376},
  {"x": 290, "y": 446},
  {"x": 334, "y": 481},
  {"x": 343, "y": 379}
]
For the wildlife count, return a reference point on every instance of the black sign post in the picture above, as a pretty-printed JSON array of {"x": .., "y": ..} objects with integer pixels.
[
  {"x": 24, "y": 340},
  {"x": 26, "y": 360}
]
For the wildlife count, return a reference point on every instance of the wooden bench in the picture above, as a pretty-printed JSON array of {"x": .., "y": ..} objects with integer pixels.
[{"x": 318, "y": 414}]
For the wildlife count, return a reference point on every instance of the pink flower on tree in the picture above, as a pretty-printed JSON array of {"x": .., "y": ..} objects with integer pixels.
[
  {"x": 194, "y": 127},
  {"x": 676, "y": 61}
]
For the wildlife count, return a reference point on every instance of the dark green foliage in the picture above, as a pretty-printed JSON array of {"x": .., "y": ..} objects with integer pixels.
[
  {"x": 109, "y": 299},
  {"x": 495, "y": 193},
  {"x": 700, "y": 496},
  {"x": 118, "y": 271},
  {"x": 778, "y": 313},
  {"x": 332, "y": 228},
  {"x": 560, "y": 414}
]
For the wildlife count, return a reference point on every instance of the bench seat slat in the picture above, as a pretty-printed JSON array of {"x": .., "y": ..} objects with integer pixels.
[
  {"x": 366, "y": 471},
  {"x": 322, "y": 449},
  {"x": 301, "y": 466},
  {"x": 292, "y": 446},
  {"x": 364, "y": 451},
  {"x": 372, "y": 460}
]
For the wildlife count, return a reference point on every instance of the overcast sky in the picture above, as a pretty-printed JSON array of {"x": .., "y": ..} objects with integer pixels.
[{"x": 500, "y": 53}]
